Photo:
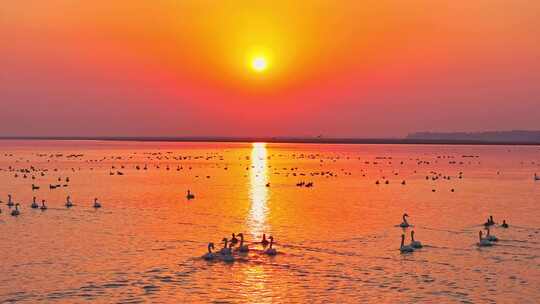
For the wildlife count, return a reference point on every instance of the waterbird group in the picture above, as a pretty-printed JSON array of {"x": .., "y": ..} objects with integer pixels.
[
  {"x": 486, "y": 241},
  {"x": 34, "y": 205},
  {"x": 230, "y": 250}
]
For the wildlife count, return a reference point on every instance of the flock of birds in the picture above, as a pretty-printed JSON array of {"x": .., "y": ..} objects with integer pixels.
[
  {"x": 234, "y": 247},
  {"x": 230, "y": 248},
  {"x": 15, "y": 211},
  {"x": 486, "y": 241}
]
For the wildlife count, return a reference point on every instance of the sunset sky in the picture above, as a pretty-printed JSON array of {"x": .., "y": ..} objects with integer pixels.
[{"x": 349, "y": 68}]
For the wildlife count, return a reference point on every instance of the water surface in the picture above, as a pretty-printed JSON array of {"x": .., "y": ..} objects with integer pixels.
[{"x": 337, "y": 241}]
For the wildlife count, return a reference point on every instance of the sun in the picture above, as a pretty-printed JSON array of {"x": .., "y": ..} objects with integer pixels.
[{"x": 259, "y": 64}]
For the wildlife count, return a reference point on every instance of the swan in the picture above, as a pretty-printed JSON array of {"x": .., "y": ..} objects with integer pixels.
[
  {"x": 504, "y": 224},
  {"x": 270, "y": 250},
  {"x": 489, "y": 221},
  {"x": 233, "y": 240},
  {"x": 415, "y": 244},
  {"x": 68, "y": 202},
  {"x": 190, "y": 195},
  {"x": 264, "y": 242},
  {"x": 225, "y": 250},
  {"x": 10, "y": 203},
  {"x": 209, "y": 255},
  {"x": 16, "y": 211},
  {"x": 43, "y": 206},
  {"x": 404, "y": 224},
  {"x": 405, "y": 248},
  {"x": 242, "y": 247},
  {"x": 34, "y": 204},
  {"x": 482, "y": 241},
  {"x": 96, "y": 204},
  {"x": 490, "y": 237},
  {"x": 229, "y": 258}
]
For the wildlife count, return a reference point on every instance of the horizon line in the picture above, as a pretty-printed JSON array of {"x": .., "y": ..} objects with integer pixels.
[{"x": 277, "y": 139}]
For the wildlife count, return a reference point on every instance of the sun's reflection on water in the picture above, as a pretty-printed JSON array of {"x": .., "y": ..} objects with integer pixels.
[{"x": 258, "y": 174}]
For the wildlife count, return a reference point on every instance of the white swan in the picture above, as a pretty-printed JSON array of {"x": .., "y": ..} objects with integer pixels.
[
  {"x": 264, "y": 241},
  {"x": 489, "y": 221},
  {"x": 16, "y": 211},
  {"x": 209, "y": 255},
  {"x": 43, "y": 206},
  {"x": 228, "y": 257},
  {"x": 10, "y": 203},
  {"x": 34, "y": 205},
  {"x": 404, "y": 224},
  {"x": 69, "y": 204},
  {"x": 270, "y": 250},
  {"x": 242, "y": 248},
  {"x": 491, "y": 237},
  {"x": 225, "y": 250},
  {"x": 233, "y": 240},
  {"x": 482, "y": 241},
  {"x": 96, "y": 204},
  {"x": 405, "y": 248},
  {"x": 415, "y": 244}
]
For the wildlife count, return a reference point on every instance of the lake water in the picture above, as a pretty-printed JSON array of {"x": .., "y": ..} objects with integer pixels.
[{"x": 337, "y": 241}]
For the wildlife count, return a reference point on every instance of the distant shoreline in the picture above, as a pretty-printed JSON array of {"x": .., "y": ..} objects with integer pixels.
[{"x": 299, "y": 140}]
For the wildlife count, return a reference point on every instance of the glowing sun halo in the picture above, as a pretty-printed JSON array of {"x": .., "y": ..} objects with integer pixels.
[{"x": 259, "y": 64}]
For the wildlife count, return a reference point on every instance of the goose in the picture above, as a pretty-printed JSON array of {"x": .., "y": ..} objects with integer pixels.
[
  {"x": 404, "y": 224},
  {"x": 96, "y": 204},
  {"x": 190, "y": 195},
  {"x": 10, "y": 203},
  {"x": 482, "y": 241},
  {"x": 490, "y": 237},
  {"x": 225, "y": 250},
  {"x": 16, "y": 211},
  {"x": 43, "y": 206},
  {"x": 270, "y": 250},
  {"x": 504, "y": 224},
  {"x": 34, "y": 205},
  {"x": 69, "y": 204},
  {"x": 209, "y": 255},
  {"x": 264, "y": 242},
  {"x": 405, "y": 248},
  {"x": 242, "y": 247},
  {"x": 415, "y": 244}
]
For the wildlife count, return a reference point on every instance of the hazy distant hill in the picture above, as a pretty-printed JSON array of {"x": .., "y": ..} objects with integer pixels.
[{"x": 494, "y": 136}]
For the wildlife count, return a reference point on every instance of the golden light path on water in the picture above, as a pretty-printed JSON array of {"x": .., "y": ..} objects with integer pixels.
[
  {"x": 255, "y": 276},
  {"x": 258, "y": 193}
]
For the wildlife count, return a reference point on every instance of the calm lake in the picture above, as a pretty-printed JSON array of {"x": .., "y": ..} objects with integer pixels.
[{"x": 337, "y": 241}]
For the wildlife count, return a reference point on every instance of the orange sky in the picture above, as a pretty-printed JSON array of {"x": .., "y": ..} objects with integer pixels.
[{"x": 347, "y": 68}]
